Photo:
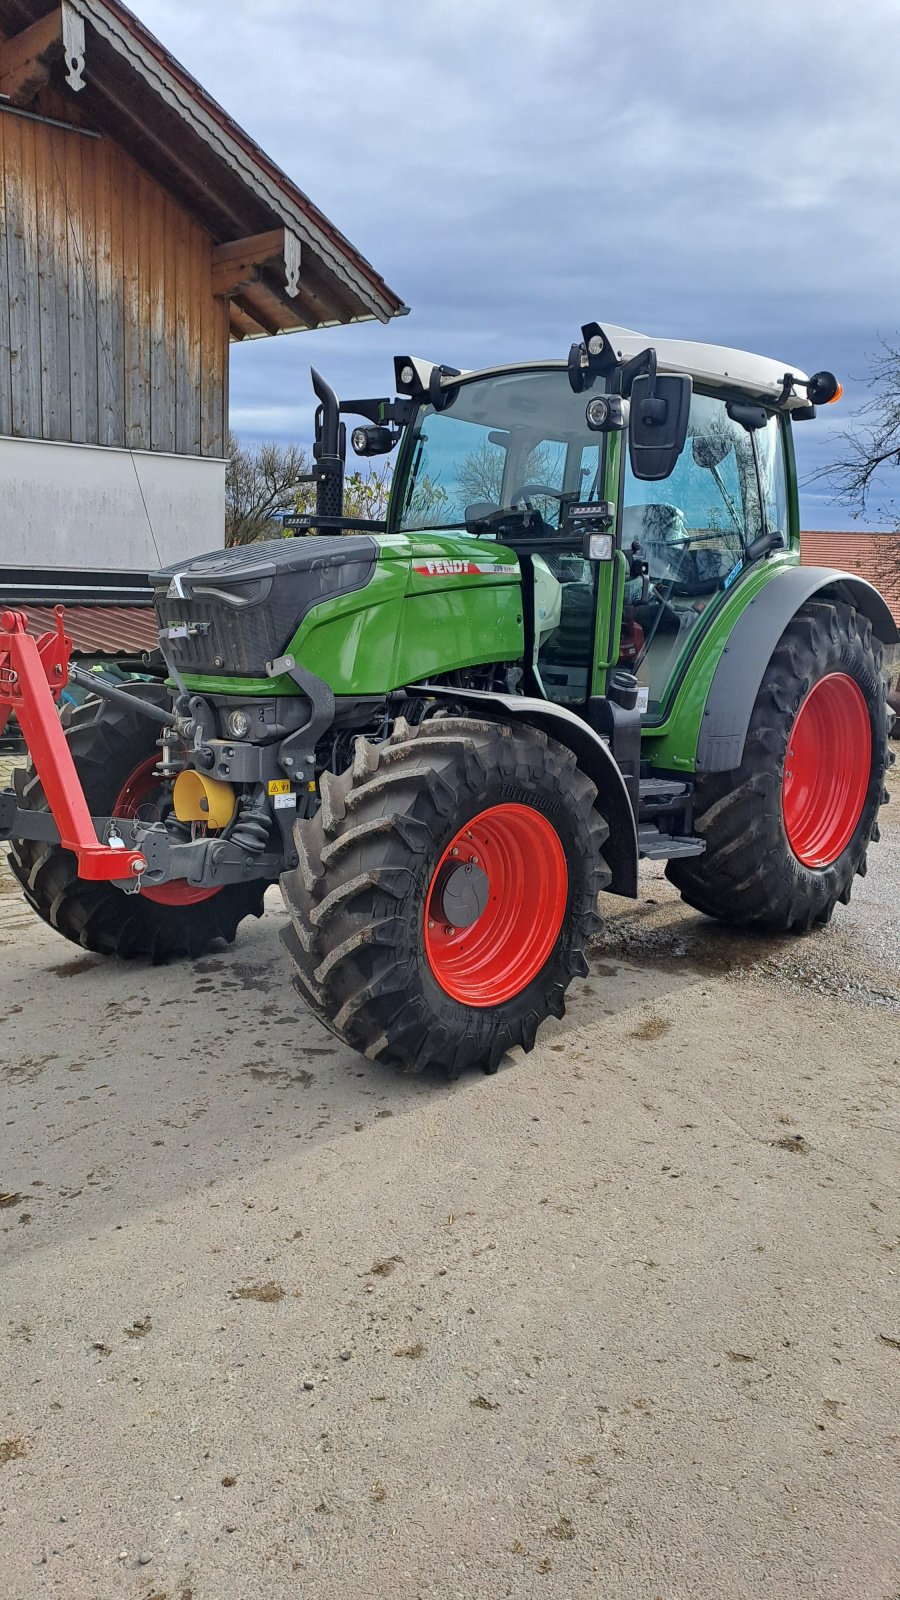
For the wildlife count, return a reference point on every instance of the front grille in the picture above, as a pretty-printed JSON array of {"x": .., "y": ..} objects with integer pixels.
[{"x": 241, "y": 608}]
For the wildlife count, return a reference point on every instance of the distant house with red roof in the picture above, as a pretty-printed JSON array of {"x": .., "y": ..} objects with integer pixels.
[{"x": 874, "y": 556}]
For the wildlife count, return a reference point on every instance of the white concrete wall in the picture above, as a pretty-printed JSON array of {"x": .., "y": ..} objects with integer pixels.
[{"x": 72, "y": 505}]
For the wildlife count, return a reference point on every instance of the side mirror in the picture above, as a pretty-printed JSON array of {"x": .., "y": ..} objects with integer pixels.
[
  {"x": 375, "y": 441},
  {"x": 658, "y": 424}
]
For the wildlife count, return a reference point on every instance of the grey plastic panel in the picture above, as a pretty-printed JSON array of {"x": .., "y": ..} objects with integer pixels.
[{"x": 743, "y": 662}]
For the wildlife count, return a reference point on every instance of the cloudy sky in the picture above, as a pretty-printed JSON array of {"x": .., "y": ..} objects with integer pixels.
[{"x": 707, "y": 169}]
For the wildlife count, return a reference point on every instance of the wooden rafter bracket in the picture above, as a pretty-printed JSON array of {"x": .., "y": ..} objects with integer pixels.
[
  {"x": 27, "y": 57},
  {"x": 240, "y": 262}
]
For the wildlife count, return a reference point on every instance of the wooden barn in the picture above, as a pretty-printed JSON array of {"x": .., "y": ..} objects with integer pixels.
[{"x": 141, "y": 233}]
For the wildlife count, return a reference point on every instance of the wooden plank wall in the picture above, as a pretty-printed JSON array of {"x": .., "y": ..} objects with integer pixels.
[{"x": 109, "y": 331}]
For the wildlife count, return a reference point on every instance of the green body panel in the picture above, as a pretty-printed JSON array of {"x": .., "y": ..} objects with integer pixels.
[
  {"x": 671, "y": 745},
  {"x": 435, "y": 603}
]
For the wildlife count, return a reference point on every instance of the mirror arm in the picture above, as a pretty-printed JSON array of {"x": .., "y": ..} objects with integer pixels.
[{"x": 644, "y": 362}]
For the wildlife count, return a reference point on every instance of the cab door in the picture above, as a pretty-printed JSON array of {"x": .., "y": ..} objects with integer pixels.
[
  {"x": 565, "y": 586},
  {"x": 692, "y": 529}
]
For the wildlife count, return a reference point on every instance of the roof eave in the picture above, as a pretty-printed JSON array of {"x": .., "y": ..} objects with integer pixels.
[{"x": 184, "y": 96}]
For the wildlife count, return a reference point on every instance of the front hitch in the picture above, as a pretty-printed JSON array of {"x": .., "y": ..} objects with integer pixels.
[{"x": 33, "y": 674}]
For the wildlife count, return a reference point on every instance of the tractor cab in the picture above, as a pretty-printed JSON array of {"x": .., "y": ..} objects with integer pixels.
[{"x": 635, "y": 482}]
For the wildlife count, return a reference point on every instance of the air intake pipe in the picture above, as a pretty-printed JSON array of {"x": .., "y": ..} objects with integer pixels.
[{"x": 329, "y": 450}]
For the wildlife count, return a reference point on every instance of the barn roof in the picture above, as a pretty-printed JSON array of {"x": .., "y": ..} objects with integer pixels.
[{"x": 291, "y": 266}]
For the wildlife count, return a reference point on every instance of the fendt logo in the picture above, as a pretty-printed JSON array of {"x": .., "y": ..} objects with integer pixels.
[
  {"x": 448, "y": 567},
  {"x": 445, "y": 567}
]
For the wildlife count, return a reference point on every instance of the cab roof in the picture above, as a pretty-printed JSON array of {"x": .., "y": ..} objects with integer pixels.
[{"x": 714, "y": 366}]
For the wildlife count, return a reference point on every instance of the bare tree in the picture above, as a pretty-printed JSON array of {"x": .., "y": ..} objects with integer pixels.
[
  {"x": 261, "y": 483},
  {"x": 367, "y": 494},
  {"x": 869, "y": 449}
]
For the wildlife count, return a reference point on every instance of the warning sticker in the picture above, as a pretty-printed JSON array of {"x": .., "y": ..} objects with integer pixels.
[{"x": 279, "y": 785}]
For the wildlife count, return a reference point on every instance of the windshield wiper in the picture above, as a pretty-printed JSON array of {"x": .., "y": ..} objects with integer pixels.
[{"x": 732, "y": 508}]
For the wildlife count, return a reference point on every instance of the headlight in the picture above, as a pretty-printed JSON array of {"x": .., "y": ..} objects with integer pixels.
[
  {"x": 597, "y": 413},
  {"x": 238, "y": 724}
]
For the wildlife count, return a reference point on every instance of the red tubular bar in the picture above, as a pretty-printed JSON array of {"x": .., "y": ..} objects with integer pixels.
[{"x": 33, "y": 674}]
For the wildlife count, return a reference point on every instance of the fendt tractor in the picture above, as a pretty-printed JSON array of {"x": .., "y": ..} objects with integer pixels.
[{"x": 582, "y": 636}]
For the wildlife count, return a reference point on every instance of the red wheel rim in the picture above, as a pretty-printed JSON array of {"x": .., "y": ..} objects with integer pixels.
[
  {"x": 142, "y": 789},
  {"x": 521, "y": 856},
  {"x": 827, "y": 769}
]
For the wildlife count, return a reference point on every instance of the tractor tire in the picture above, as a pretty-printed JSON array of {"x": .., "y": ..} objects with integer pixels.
[
  {"x": 111, "y": 746},
  {"x": 788, "y": 830},
  {"x": 493, "y": 825}
]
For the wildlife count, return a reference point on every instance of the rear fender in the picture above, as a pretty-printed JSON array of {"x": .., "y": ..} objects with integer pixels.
[
  {"x": 590, "y": 751},
  {"x": 737, "y": 678}
]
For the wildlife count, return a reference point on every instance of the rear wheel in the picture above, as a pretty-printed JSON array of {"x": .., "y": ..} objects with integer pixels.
[
  {"x": 114, "y": 750},
  {"x": 788, "y": 831},
  {"x": 446, "y": 892}
]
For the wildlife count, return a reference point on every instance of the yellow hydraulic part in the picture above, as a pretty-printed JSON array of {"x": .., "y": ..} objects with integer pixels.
[{"x": 199, "y": 799}]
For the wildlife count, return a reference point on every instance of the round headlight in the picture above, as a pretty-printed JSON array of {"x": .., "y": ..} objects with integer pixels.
[
  {"x": 407, "y": 374},
  {"x": 597, "y": 412},
  {"x": 595, "y": 345},
  {"x": 238, "y": 724},
  {"x": 359, "y": 440}
]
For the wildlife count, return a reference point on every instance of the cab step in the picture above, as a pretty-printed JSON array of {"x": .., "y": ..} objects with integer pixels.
[
  {"x": 660, "y": 794},
  {"x": 656, "y": 846}
]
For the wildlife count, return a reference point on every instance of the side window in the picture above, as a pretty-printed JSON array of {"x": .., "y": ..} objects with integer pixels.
[
  {"x": 773, "y": 472},
  {"x": 692, "y": 529}
]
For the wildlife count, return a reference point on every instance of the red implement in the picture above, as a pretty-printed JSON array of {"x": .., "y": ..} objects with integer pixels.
[{"x": 33, "y": 674}]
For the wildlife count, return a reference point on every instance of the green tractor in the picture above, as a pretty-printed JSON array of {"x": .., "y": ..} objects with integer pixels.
[{"x": 581, "y": 637}]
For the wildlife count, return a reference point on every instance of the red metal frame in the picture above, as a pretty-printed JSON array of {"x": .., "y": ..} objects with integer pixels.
[{"x": 33, "y": 674}]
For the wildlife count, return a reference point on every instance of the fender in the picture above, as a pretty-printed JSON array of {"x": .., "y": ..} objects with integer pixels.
[
  {"x": 590, "y": 751},
  {"x": 736, "y": 681}
]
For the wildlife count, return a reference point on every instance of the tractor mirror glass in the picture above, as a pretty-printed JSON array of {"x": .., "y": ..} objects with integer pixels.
[{"x": 657, "y": 424}]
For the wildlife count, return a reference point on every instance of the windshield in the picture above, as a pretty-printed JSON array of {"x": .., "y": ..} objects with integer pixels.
[{"x": 518, "y": 438}]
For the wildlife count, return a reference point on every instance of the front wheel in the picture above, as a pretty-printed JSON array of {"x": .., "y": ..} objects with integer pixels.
[
  {"x": 789, "y": 830},
  {"x": 446, "y": 892}
]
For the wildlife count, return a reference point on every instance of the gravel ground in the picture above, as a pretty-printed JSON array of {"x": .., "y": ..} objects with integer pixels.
[{"x": 621, "y": 1321}]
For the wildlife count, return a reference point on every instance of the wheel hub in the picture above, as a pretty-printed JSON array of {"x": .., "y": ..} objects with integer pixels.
[{"x": 463, "y": 893}]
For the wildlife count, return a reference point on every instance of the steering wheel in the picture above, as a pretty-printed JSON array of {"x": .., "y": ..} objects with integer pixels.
[
  {"x": 656, "y": 585},
  {"x": 529, "y": 491}
]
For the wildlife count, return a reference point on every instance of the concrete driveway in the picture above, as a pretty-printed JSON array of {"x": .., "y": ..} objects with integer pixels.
[{"x": 621, "y": 1321}]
